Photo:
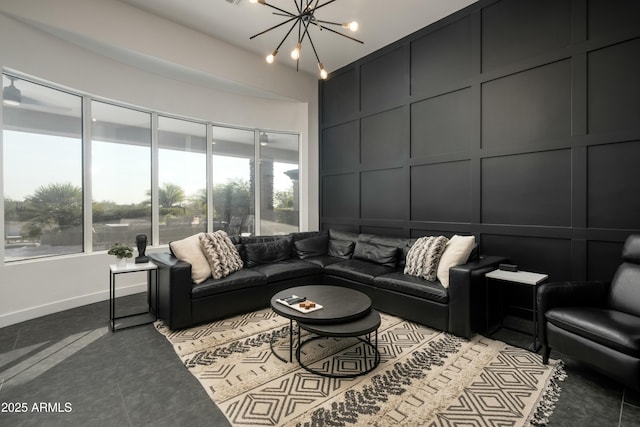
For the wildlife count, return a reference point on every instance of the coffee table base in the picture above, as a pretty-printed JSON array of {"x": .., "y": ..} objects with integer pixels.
[
  {"x": 366, "y": 343},
  {"x": 275, "y": 353},
  {"x": 358, "y": 328}
]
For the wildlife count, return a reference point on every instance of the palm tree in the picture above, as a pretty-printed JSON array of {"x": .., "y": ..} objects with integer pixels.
[
  {"x": 52, "y": 207},
  {"x": 170, "y": 195}
]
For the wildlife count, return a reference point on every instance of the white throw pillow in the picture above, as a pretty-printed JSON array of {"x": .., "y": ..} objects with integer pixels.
[
  {"x": 455, "y": 253},
  {"x": 189, "y": 250}
]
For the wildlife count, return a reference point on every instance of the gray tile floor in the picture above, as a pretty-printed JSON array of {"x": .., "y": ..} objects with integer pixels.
[
  {"x": 128, "y": 378},
  {"x": 77, "y": 373}
]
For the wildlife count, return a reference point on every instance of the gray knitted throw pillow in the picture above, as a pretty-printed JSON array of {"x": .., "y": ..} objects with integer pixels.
[
  {"x": 221, "y": 253},
  {"x": 424, "y": 256}
]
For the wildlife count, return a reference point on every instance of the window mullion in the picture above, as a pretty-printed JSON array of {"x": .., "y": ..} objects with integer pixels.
[
  {"x": 87, "y": 197},
  {"x": 209, "y": 190},
  {"x": 258, "y": 183},
  {"x": 155, "y": 207}
]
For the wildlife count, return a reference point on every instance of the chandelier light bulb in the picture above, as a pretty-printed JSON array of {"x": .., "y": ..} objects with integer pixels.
[
  {"x": 353, "y": 26},
  {"x": 272, "y": 56},
  {"x": 295, "y": 53},
  {"x": 323, "y": 72}
]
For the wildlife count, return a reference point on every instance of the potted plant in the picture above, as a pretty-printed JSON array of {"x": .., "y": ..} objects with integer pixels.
[{"x": 122, "y": 251}]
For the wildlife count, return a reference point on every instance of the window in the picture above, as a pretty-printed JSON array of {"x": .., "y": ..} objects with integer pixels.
[
  {"x": 233, "y": 180},
  {"x": 279, "y": 207},
  {"x": 121, "y": 174},
  {"x": 182, "y": 178},
  {"x": 47, "y": 185},
  {"x": 42, "y": 151}
]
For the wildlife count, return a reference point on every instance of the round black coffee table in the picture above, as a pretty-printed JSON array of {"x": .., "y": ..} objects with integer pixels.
[
  {"x": 345, "y": 312},
  {"x": 339, "y": 304}
]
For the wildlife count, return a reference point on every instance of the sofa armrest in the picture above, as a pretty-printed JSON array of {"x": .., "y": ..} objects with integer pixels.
[
  {"x": 466, "y": 285},
  {"x": 566, "y": 294},
  {"x": 174, "y": 290}
]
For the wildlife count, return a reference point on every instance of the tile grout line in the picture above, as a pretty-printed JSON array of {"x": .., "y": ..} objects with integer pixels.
[
  {"x": 624, "y": 392},
  {"x": 124, "y": 404}
]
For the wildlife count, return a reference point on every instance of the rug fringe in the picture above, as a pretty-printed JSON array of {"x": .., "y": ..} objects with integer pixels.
[{"x": 550, "y": 395}]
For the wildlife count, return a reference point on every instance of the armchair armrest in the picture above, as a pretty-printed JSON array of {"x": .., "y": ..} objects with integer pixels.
[
  {"x": 565, "y": 294},
  {"x": 562, "y": 294},
  {"x": 466, "y": 285},
  {"x": 174, "y": 290}
]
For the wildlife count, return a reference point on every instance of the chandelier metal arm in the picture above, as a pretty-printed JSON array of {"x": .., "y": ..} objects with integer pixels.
[
  {"x": 306, "y": 30},
  {"x": 306, "y": 10},
  {"x": 339, "y": 33},
  {"x": 322, "y": 5},
  {"x": 314, "y": 50},
  {"x": 277, "y": 8},
  {"x": 274, "y": 27},
  {"x": 287, "y": 35}
]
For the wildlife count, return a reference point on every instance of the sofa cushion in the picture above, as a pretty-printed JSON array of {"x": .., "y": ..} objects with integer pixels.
[
  {"x": 323, "y": 260},
  {"x": 287, "y": 269},
  {"x": 241, "y": 279},
  {"x": 423, "y": 257},
  {"x": 412, "y": 285},
  {"x": 341, "y": 248},
  {"x": 403, "y": 244},
  {"x": 260, "y": 239},
  {"x": 343, "y": 235},
  {"x": 456, "y": 252},
  {"x": 189, "y": 251},
  {"x": 301, "y": 235},
  {"x": 222, "y": 255},
  {"x": 377, "y": 254},
  {"x": 610, "y": 328},
  {"x": 358, "y": 270},
  {"x": 311, "y": 247},
  {"x": 267, "y": 252}
]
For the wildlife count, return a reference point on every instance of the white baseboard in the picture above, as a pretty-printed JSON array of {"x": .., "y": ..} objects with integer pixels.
[{"x": 57, "y": 306}]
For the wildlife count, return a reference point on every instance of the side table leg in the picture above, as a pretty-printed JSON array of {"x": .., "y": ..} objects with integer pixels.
[
  {"x": 112, "y": 302},
  {"x": 534, "y": 347}
]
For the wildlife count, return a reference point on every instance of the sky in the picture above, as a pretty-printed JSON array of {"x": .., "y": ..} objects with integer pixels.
[{"x": 120, "y": 172}]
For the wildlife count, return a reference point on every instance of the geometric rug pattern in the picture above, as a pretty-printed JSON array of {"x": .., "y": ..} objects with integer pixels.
[{"x": 425, "y": 377}]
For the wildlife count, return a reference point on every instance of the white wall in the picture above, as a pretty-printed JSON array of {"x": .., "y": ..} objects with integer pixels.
[{"x": 110, "y": 50}]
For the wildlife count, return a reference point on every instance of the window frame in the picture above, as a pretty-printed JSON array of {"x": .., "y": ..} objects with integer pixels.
[{"x": 86, "y": 159}]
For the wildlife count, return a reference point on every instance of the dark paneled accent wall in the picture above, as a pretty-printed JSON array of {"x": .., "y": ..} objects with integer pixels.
[{"x": 515, "y": 120}]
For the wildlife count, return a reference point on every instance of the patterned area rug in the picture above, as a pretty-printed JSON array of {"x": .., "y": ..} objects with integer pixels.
[{"x": 425, "y": 377}]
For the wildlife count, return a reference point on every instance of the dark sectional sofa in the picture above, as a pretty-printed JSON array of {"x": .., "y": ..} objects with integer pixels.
[{"x": 369, "y": 263}]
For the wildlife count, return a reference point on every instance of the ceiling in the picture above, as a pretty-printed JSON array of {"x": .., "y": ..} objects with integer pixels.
[{"x": 381, "y": 22}]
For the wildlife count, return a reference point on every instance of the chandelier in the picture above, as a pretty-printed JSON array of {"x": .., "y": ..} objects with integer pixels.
[{"x": 303, "y": 17}]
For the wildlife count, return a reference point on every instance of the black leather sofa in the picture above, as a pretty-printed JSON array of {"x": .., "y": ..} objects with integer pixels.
[
  {"x": 597, "y": 322},
  {"x": 369, "y": 263}
]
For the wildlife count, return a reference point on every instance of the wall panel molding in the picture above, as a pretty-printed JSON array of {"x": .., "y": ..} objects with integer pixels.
[{"x": 514, "y": 121}]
